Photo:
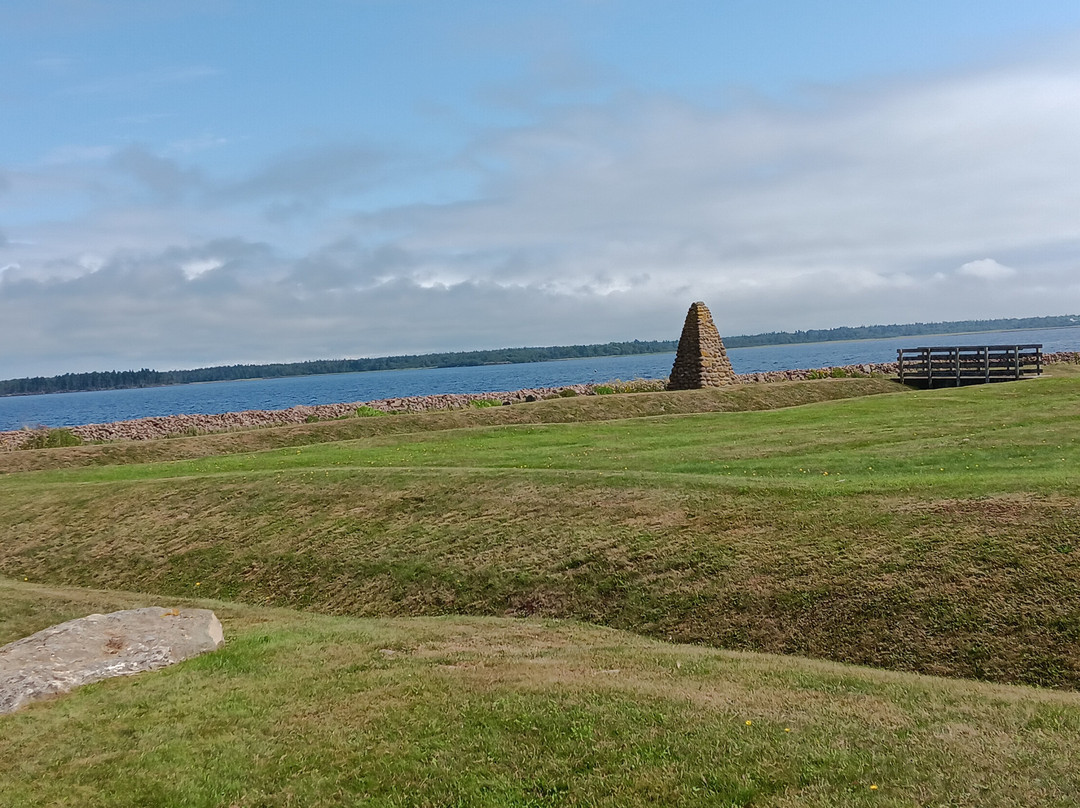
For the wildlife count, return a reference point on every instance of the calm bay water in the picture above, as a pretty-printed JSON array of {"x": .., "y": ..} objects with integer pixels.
[{"x": 71, "y": 409}]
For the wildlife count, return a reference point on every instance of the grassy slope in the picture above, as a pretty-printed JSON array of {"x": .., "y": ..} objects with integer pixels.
[
  {"x": 300, "y": 709},
  {"x": 932, "y": 532},
  {"x": 559, "y": 410}
]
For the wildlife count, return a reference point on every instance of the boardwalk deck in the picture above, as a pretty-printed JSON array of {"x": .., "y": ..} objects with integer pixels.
[{"x": 955, "y": 365}]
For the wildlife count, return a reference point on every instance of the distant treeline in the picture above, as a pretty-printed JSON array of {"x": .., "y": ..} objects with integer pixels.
[
  {"x": 120, "y": 379},
  {"x": 906, "y": 330}
]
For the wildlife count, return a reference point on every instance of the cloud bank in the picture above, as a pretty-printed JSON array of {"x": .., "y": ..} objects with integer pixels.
[{"x": 951, "y": 197}]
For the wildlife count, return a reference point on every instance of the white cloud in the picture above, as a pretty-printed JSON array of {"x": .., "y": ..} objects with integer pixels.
[
  {"x": 193, "y": 269},
  {"x": 986, "y": 269},
  {"x": 91, "y": 263}
]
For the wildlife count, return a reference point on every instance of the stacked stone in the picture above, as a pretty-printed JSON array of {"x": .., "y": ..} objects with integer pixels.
[{"x": 700, "y": 360}]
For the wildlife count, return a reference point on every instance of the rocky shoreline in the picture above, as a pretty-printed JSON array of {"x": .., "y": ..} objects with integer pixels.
[{"x": 196, "y": 424}]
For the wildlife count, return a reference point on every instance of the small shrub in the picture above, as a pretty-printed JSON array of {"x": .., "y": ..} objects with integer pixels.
[
  {"x": 603, "y": 390},
  {"x": 46, "y": 438},
  {"x": 839, "y": 373},
  {"x": 638, "y": 385},
  {"x": 567, "y": 393},
  {"x": 187, "y": 432},
  {"x": 364, "y": 411},
  {"x": 312, "y": 419},
  {"x": 481, "y": 403},
  {"x": 816, "y": 374}
]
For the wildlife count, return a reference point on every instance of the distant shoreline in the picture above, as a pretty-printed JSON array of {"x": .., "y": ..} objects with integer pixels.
[
  {"x": 905, "y": 336},
  {"x": 146, "y": 378}
]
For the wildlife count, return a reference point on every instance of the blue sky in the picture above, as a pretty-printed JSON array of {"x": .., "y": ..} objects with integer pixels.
[{"x": 193, "y": 183}]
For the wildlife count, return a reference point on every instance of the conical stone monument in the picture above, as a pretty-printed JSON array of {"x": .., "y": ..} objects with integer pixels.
[{"x": 700, "y": 360}]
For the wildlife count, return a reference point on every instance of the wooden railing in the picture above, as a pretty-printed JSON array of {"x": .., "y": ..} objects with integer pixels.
[{"x": 968, "y": 364}]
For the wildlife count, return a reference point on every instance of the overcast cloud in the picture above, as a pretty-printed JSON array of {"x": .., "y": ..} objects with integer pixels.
[{"x": 952, "y": 196}]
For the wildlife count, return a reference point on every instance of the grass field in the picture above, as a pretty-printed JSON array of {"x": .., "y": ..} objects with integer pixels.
[
  {"x": 300, "y": 709},
  {"x": 934, "y": 532},
  {"x": 925, "y": 531}
]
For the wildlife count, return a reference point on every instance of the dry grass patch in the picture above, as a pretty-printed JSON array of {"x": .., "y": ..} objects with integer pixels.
[{"x": 891, "y": 581}]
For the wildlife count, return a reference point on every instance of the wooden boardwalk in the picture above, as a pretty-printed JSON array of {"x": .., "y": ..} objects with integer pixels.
[{"x": 952, "y": 366}]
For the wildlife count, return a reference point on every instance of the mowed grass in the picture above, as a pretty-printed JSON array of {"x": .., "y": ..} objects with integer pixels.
[
  {"x": 558, "y": 410},
  {"x": 301, "y": 709},
  {"x": 922, "y": 531}
]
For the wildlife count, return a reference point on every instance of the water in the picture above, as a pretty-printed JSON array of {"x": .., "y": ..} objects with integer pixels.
[{"x": 71, "y": 409}]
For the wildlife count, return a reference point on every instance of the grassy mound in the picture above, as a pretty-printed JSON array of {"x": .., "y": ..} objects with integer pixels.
[
  {"x": 922, "y": 531},
  {"x": 300, "y": 709}
]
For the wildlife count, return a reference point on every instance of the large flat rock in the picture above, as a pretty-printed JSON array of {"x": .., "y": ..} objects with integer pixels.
[{"x": 100, "y": 646}]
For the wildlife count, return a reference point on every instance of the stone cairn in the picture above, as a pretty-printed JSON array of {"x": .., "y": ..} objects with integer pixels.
[{"x": 700, "y": 360}]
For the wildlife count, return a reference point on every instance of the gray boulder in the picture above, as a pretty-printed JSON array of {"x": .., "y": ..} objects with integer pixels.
[{"x": 100, "y": 646}]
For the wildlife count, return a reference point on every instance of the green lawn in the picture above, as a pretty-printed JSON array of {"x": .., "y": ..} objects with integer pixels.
[
  {"x": 300, "y": 709},
  {"x": 558, "y": 410},
  {"x": 983, "y": 440}
]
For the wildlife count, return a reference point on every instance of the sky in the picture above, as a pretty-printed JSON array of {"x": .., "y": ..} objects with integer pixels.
[{"x": 194, "y": 183}]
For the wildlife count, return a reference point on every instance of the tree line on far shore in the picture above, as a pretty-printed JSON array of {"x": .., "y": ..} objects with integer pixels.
[{"x": 121, "y": 379}]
